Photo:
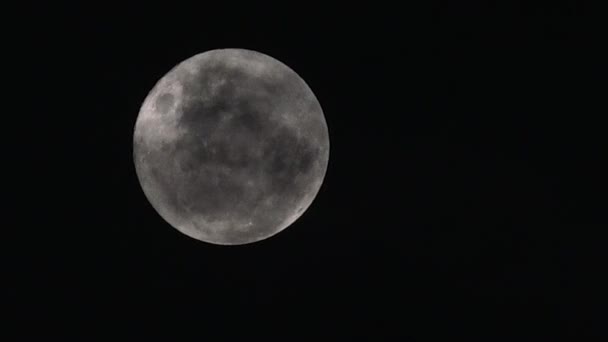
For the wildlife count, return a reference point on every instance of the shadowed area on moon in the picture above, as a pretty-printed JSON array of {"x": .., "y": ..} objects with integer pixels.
[{"x": 248, "y": 149}]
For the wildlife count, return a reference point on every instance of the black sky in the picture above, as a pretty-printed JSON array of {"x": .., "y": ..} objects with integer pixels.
[{"x": 465, "y": 194}]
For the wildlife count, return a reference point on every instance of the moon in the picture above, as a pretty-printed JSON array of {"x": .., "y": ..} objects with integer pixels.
[{"x": 231, "y": 146}]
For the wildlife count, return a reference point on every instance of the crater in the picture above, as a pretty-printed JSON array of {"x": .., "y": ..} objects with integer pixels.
[{"x": 164, "y": 102}]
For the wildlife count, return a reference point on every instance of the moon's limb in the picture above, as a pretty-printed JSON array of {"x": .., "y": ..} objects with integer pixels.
[{"x": 231, "y": 146}]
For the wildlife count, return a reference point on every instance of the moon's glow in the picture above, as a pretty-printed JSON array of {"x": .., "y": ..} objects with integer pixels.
[{"x": 231, "y": 146}]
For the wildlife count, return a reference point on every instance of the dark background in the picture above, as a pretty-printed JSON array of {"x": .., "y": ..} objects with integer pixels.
[{"x": 465, "y": 194}]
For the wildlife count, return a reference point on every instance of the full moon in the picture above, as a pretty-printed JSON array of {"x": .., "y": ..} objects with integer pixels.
[{"x": 231, "y": 146}]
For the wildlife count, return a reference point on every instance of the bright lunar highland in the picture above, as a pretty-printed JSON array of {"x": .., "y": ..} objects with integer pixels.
[{"x": 231, "y": 146}]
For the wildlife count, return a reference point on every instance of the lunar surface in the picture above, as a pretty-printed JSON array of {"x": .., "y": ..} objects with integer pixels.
[{"x": 231, "y": 146}]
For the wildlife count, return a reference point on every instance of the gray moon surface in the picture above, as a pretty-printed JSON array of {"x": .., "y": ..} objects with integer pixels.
[{"x": 231, "y": 146}]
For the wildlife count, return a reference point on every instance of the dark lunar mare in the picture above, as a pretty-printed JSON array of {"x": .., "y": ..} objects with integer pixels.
[{"x": 238, "y": 159}]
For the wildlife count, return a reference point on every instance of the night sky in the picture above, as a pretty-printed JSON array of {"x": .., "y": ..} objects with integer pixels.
[{"x": 465, "y": 194}]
